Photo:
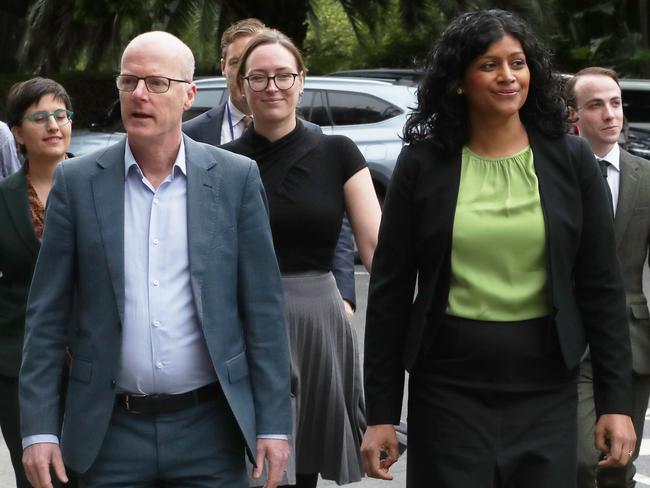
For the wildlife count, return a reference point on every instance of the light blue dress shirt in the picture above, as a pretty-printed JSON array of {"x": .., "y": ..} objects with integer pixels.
[{"x": 163, "y": 348}]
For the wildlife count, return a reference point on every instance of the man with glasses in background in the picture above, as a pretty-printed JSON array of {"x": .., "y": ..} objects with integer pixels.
[
  {"x": 228, "y": 121},
  {"x": 180, "y": 360}
]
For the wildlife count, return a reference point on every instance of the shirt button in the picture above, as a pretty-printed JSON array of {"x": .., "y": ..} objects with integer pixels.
[
  {"x": 155, "y": 242},
  {"x": 155, "y": 201},
  {"x": 156, "y": 323},
  {"x": 156, "y": 282},
  {"x": 159, "y": 364}
]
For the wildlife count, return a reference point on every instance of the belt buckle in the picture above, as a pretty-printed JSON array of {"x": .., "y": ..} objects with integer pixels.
[{"x": 127, "y": 403}]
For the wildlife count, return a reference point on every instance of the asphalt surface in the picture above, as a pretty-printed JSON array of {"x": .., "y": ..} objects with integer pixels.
[{"x": 398, "y": 469}]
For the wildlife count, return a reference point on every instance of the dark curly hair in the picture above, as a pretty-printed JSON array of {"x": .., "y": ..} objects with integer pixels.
[{"x": 441, "y": 114}]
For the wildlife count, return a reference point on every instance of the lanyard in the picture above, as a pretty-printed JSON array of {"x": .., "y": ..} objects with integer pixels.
[{"x": 232, "y": 129}]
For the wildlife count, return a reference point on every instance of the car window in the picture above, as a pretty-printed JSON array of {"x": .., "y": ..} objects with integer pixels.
[
  {"x": 636, "y": 105},
  {"x": 206, "y": 98},
  {"x": 313, "y": 108},
  {"x": 357, "y": 108}
]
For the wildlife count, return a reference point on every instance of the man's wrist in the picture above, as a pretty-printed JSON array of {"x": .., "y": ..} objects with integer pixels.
[
  {"x": 39, "y": 439},
  {"x": 279, "y": 437}
]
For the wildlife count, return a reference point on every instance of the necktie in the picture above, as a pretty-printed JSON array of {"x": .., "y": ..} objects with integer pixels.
[
  {"x": 604, "y": 164},
  {"x": 246, "y": 121}
]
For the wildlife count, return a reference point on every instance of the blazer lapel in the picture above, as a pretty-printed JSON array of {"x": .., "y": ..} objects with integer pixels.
[
  {"x": 203, "y": 186},
  {"x": 627, "y": 194},
  {"x": 108, "y": 194},
  {"x": 15, "y": 193}
]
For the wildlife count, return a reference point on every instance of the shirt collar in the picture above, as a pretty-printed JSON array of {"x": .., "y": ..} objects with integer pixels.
[
  {"x": 235, "y": 114},
  {"x": 613, "y": 157},
  {"x": 129, "y": 160}
]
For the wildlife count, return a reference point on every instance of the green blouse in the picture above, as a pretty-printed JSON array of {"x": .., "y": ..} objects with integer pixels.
[{"x": 498, "y": 257}]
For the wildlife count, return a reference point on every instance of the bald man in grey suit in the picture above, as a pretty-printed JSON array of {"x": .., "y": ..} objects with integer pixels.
[{"x": 180, "y": 359}]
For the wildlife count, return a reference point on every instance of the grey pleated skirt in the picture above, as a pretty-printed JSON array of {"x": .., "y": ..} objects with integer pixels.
[
  {"x": 326, "y": 379},
  {"x": 326, "y": 383}
]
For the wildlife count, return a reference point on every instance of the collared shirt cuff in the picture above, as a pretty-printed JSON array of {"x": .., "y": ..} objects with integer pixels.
[
  {"x": 39, "y": 439},
  {"x": 279, "y": 437}
]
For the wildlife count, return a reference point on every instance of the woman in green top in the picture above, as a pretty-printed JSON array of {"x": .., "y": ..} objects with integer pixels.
[{"x": 502, "y": 220}]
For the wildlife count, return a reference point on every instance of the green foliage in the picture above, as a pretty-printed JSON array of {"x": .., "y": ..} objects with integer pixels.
[
  {"x": 330, "y": 43},
  {"x": 398, "y": 44},
  {"x": 333, "y": 44}
]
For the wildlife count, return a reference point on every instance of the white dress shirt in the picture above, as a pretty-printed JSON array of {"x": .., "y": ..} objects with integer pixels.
[
  {"x": 9, "y": 162},
  {"x": 233, "y": 125}
]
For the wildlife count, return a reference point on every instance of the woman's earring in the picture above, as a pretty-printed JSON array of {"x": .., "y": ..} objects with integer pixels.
[{"x": 459, "y": 91}]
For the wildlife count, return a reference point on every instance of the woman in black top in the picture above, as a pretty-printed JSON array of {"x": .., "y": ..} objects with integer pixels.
[
  {"x": 39, "y": 115},
  {"x": 310, "y": 180},
  {"x": 503, "y": 223}
]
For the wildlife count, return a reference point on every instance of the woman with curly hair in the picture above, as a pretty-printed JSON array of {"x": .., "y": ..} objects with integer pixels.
[{"x": 503, "y": 222}]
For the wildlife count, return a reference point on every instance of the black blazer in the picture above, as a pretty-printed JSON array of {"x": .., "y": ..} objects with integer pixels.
[
  {"x": 19, "y": 248},
  {"x": 207, "y": 128},
  {"x": 586, "y": 295}
]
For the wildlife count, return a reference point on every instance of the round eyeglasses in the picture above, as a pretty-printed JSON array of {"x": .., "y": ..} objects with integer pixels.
[
  {"x": 154, "y": 84},
  {"x": 61, "y": 117},
  {"x": 283, "y": 81}
]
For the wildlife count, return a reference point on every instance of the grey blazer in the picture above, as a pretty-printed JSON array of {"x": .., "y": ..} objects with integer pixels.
[
  {"x": 235, "y": 283},
  {"x": 632, "y": 230}
]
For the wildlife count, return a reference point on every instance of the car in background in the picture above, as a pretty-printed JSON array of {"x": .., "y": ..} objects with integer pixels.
[
  {"x": 408, "y": 77},
  {"x": 370, "y": 112},
  {"x": 636, "y": 107}
]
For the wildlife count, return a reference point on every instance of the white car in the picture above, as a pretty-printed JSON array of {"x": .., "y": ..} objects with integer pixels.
[{"x": 372, "y": 113}]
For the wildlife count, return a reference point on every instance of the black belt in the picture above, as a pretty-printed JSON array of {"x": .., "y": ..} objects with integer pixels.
[{"x": 155, "y": 404}]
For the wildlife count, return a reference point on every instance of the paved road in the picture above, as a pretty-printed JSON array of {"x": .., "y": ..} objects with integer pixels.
[{"x": 399, "y": 469}]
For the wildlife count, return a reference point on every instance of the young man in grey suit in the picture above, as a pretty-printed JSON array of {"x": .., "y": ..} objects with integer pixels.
[
  {"x": 596, "y": 108},
  {"x": 226, "y": 122},
  {"x": 180, "y": 360}
]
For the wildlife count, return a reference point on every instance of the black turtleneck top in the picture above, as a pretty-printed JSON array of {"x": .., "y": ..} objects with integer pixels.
[{"x": 303, "y": 174}]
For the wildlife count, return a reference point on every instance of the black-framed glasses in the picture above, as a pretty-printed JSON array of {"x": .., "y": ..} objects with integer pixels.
[
  {"x": 154, "y": 84},
  {"x": 259, "y": 82},
  {"x": 61, "y": 117}
]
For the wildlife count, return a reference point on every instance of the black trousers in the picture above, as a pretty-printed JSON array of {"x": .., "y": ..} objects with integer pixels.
[
  {"x": 10, "y": 423},
  {"x": 492, "y": 406},
  {"x": 467, "y": 438}
]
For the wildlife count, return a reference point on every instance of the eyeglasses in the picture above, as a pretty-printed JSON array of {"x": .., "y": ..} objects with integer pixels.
[
  {"x": 61, "y": 117},
  {"x": 154, "y": 84},
  {"x": 283, "y": 81}
]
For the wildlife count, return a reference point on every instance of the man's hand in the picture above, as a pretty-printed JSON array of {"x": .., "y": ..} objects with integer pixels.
[
  {"x": 276, "y": 452},
  {"x": 349, "y": 311},
  {"x": 37, "y": 460},
  {"x": 379, "y": 439},
  {"x": 616, "y": 439}
]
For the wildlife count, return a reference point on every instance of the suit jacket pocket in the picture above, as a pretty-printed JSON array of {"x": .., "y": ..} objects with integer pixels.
[
  {"x": 237, "y": 367},
  {"x": 640, "y": 311},
  {"x": 81, "y": 370},
  {"x": 640, "y": 211}
]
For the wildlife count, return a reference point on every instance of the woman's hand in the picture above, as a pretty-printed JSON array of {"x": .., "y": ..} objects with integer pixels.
[{"x": 616, "y": 439}]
